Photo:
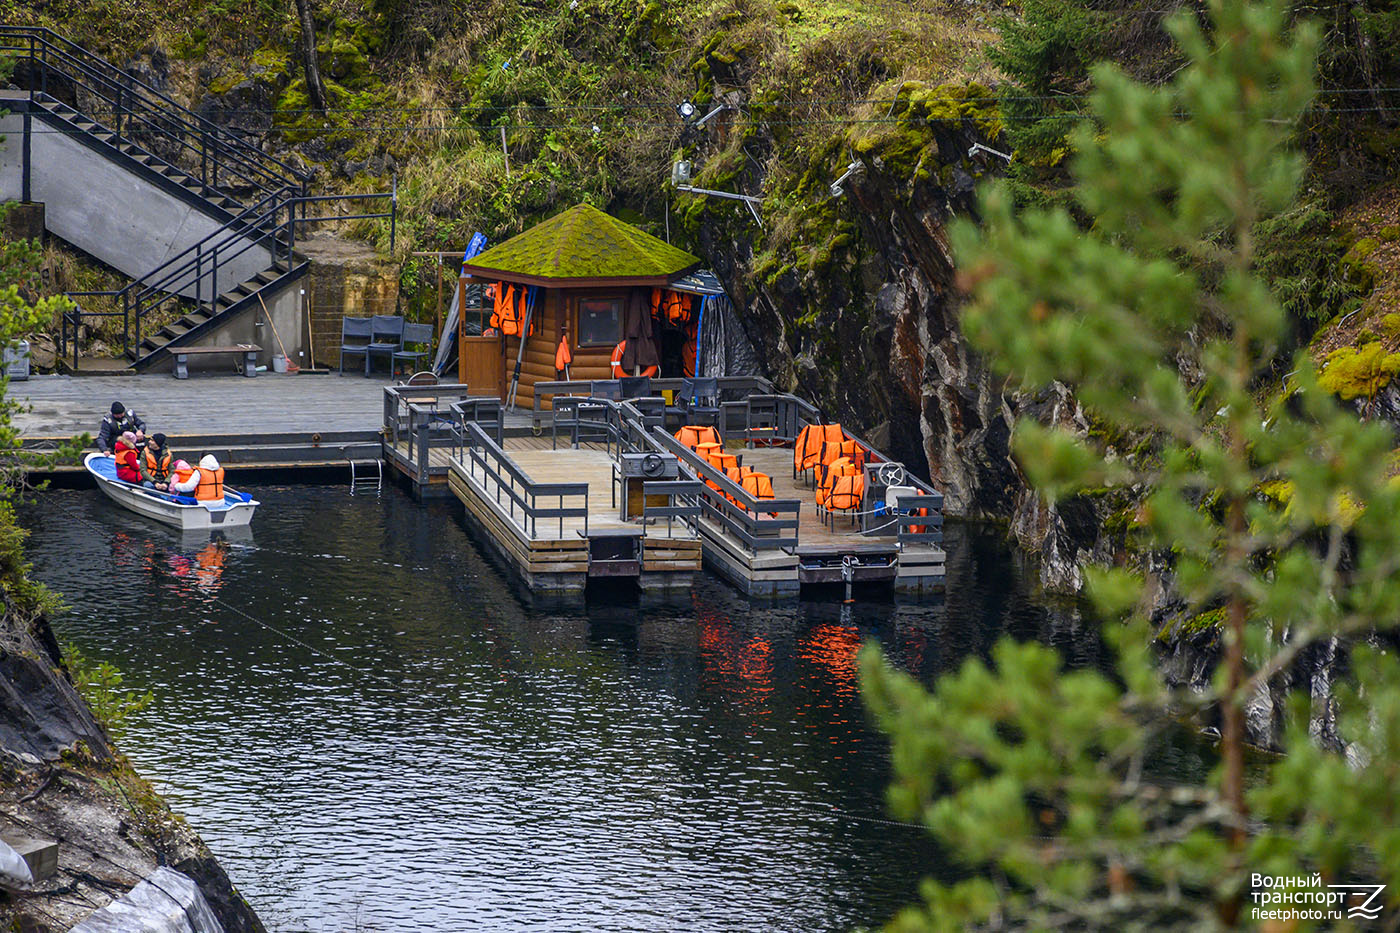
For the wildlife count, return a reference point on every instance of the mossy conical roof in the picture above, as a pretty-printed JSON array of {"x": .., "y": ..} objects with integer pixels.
[{"x": 583, "y": 244}]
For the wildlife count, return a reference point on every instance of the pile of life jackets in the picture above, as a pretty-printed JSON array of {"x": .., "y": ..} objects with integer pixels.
[
  {"x": 508, "y": 309},
  {"x": 678, "y": 310},
  {"x": 671, "y": 307}
]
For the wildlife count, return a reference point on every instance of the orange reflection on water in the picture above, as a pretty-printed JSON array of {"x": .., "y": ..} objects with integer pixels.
[
  {"x": 833, "y": 649},
  {"x": 747, "y": 661}
]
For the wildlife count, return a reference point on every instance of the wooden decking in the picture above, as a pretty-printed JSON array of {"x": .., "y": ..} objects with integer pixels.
[
  {"x": 273, "y": 421},
  {"x": 918, "y": 568},
  {"x": 559, "y": 555}
]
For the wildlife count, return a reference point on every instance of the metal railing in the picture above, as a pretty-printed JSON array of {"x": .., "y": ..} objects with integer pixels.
[
  {"x": 419, "y": 419},
  {"x": 517, "y": 496},
  {"x": 270, "y": 224},
  {"x": 733, "y": 389},
  {"x": 760, "y": 524},
  {"x": 50, "y": 67},
  {"x": 780, "y": 418}
]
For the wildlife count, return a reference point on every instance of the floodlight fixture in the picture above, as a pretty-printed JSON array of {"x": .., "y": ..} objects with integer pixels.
[
  {"x": 680, "y": 172},
  {"x": 837, "y": 189},
  {"x": 688, "y": 111}
]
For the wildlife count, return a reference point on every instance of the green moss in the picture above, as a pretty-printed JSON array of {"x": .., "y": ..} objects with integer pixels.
[
  {"x": 1210, "y": 620},
  {"x": 583, "y": 243},
  {"x": 1389, "y": 233},
  {"x": 907, "y": 144},
  {"x": 226, "y": 82},
  {"x": 1355, "y": 269}
]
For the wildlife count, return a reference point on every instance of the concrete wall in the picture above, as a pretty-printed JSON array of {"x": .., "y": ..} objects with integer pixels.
[
  {"x": 249, "y": 326},
  {"x": 346, "y": 280},
  {"x": 110, "y": 211}
]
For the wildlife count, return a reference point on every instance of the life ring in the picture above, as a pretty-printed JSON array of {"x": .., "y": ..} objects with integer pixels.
[{"x": 617, "y": 373}]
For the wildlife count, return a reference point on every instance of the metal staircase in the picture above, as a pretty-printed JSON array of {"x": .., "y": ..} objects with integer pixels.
[{"x": 254, "y": 202}]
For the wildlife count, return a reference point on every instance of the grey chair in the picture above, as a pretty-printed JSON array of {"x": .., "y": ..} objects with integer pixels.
[
  {"x": 385, "y": 338},
  {"x": 635, "y": 386},
  {"x": 414, "y": 335},
  {"x": 355, "y": 339},
  {"x": 606, "y": 388},
  {"x": 699, "y": 400}
]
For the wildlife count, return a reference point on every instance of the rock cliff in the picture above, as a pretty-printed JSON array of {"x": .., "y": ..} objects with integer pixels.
[{"x": 61, "y": 779}]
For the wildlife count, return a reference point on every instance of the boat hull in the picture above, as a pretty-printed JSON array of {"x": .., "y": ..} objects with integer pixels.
[{"x": 233, "y": 512}]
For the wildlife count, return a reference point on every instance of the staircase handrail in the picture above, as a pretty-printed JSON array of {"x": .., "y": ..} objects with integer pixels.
[
  {"x": 258, "y": 166},
  {"x": 244, "y": 227}
]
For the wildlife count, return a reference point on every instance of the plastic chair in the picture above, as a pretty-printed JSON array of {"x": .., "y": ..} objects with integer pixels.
[
  {"x": 610, "y": 389},
  {"x": 355, "y": 338},
  {"x": 385, "y": 337},
  {"x": 414, "y": 335},
  {"x": 635, "y": 386},
  {"x": 807, "y": 449},
  {"x": 699, "y": 400}
]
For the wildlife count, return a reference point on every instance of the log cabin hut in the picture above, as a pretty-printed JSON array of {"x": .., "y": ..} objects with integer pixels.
[{"x": 589, "y": 279}]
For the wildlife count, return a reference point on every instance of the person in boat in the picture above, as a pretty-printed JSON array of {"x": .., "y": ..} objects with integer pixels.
[
  {"x": 184, "y": 479},
  {"x": 126, "y": 450},
  {"x": 114, "y": 425},
  {"x": 156, "y": 462},
  {"x": 211, "y": 480}
]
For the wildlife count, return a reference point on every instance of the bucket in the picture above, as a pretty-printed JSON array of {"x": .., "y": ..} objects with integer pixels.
[{"x": 279, "y": 363}]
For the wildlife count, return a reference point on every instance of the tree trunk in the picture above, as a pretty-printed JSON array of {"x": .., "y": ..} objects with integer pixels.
[{"x": 315, "y": 90}]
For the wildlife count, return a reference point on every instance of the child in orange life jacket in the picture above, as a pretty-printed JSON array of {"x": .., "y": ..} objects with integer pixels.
[
  {"x": 183, "y": 479},
  {"x": 126, "y": 450}
]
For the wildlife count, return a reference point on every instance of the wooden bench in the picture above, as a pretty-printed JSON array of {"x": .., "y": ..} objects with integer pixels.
[{"x": 248, "y": 351}]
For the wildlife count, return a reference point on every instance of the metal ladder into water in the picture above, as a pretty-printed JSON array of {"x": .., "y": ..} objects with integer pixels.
[{"x": 364, "y": 473}]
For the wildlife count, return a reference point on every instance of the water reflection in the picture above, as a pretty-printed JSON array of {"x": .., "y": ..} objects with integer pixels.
[{"x": 356, "y": 712}]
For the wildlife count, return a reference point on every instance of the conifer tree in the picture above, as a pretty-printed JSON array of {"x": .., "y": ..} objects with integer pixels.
[{"x": 1040, "y": 781}]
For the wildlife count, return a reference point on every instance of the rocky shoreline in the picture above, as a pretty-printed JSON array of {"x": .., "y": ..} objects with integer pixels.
[{"x": 64, "y": 781}]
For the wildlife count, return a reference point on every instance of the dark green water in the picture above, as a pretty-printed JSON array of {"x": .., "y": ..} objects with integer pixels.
[{"x": 372, "y": 732}]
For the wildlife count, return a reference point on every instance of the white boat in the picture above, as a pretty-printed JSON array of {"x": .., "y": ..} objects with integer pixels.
[{"x": 183, "y": 512}]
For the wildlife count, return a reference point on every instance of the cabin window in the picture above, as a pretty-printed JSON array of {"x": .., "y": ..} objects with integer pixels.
[{"x": 599, "y": 322}]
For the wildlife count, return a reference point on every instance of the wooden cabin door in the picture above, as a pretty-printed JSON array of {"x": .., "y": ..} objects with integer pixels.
[
  {"x": 479, "y": 361},
  {"x": 480, "y": 366}
]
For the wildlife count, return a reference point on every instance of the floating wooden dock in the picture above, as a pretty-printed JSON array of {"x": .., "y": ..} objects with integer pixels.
[
  {"x": 271, "y": 422},
  {"x": 598, "y": 487}
]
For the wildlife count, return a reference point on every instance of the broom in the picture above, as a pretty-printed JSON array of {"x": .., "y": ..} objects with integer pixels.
[{"x": 291, "y": 367}]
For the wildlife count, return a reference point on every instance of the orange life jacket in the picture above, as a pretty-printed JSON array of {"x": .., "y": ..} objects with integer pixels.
[
  {"x": 829, "y": 473},
  {"x": 616, "y": 362},
  {"x": 846, "y": 492},
  {"x": 161, "y": 469},
  {"x": 759, "y": 485},
  {"x": 807, "y": 451},
  {"x": 670, "y": 306},
  {"x": 508, "y": 310},
  {"x": 182, "y": 476},
  {"x": 127, "y": 469},
  {"x": 211, "y": 485},
  {"x": 834, "y": 450},
  {"x": 562, "y": 356},
  {"x": 678, "y": 308},
  {"x": 692, "y": 435}
]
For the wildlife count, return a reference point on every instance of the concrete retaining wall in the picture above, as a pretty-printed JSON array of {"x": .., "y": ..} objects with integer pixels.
[
  {"x": 110, "y": 211},
  {"x": 248, "y": 326}
]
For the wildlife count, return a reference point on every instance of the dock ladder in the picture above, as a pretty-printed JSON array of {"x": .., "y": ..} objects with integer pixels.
[{"x": 365, "y": 472}]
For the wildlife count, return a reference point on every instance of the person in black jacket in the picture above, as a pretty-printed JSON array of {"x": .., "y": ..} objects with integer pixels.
[{"x": 116, "y": 424}]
